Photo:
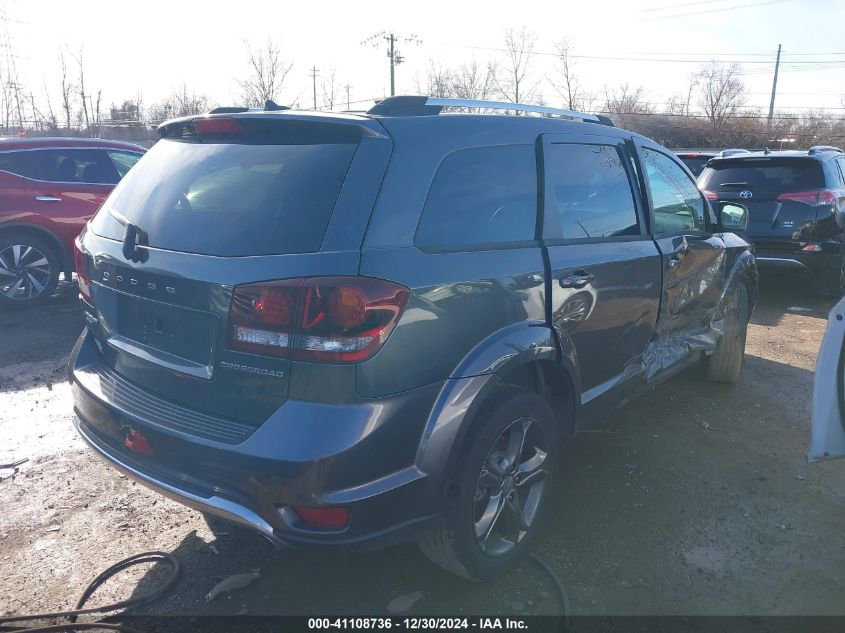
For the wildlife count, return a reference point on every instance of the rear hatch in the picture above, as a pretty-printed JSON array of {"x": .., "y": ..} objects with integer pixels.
[
  {"x": 781, "y": 193},
  {"x": 217, "y": 205}
]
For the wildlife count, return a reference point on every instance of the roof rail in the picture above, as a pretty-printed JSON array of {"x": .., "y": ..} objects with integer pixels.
[
  {"x": 426, "y": 106},
  {"x": 815, "y": 149}
]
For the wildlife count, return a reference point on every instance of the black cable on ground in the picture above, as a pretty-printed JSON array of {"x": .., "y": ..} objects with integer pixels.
[
  {"x": 72, "y": 614},
  {"x": 564, "y": 599}
]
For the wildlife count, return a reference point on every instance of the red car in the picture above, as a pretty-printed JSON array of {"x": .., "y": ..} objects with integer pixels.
[{"x": 49, "y": 188}]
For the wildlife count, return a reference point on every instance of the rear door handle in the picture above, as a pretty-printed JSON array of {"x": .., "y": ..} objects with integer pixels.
[
  {"x": 577, "y": 279},
  {"x": 673, "y": 262},
  {"x": 48, "y": 199}
]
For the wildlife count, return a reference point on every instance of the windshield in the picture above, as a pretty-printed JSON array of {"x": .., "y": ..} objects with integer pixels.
[{"x": 230, "y": 199}]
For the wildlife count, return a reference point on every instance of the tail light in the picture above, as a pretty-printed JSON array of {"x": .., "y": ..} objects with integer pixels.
[
  {"x": 212, "y": 127},
  {"x": 319, "y": 319},
  {"x": 81, "y": 265},
  {"x": 815, "y": 197},
  {"x": 812, "y": 247},
  {"x": 710, "y": 195}
]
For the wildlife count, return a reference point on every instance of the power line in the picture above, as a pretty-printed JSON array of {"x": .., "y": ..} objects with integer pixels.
[
  {"x": 393, "y": 53},
  {"x": 672, "y": 60},
  {"x": 716, "y": 10}
]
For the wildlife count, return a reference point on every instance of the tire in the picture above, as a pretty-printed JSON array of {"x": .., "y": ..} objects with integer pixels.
[
  {"x": 724, "y": 364},
  {"x": 29, "y": 269},
  {"x": 466, "y": 541}
]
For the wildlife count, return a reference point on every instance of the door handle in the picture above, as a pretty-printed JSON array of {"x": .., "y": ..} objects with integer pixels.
[
  {"x": 48, "y": 199},
  {"x": 673, "y": 262},
  {"x": 577, "y": 279}
]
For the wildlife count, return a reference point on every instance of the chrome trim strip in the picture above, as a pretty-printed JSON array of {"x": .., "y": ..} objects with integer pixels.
[{"x": 785, "y": 262}]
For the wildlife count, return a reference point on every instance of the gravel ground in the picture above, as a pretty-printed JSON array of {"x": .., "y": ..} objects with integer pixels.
[{"x": 695, "y": 499}]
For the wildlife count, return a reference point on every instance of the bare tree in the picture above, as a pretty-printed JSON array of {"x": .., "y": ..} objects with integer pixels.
[
  {"x": 82, "y": 96},
  {"x": 52, "y": 122},
  {"x": 721, "y": 91},
  {"x": 514, "y": 79},
  {"x": 472, "y": 81},
  {"x": 67, "y": 91},
  {"x": 566, "y": 82},
  {"x": 437, "y": 81},
  {"x": 267, "y": 74},
  {"x": 626, "y": 100},
  {"x": 181, "y": 102},
  {"x": 329, "y": 88}
]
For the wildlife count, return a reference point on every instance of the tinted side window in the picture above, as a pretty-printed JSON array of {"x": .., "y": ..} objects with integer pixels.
[
  {"x": 16, "y": 163},
  {"x": 841, "y": 162},
  {"x": 74, "y": 165},
  {"x": 481, "y": 195},
  {"x": 591, "y": 190},
  {"x": 678, "y": 204},
  {"x": 123, "y": 161}
]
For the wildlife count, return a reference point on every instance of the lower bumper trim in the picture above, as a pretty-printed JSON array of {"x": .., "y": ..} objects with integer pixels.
[{"x": 223, "y": 508}]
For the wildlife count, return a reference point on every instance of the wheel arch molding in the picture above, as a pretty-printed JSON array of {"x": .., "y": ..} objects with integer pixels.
[{"x": 523, "y": 348}]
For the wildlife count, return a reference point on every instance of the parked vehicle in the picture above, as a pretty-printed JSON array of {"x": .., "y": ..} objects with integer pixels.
[
  {"x": 49, "y": 188},
  {"x": 796, "y": 205},
  {"x": 827, "y": 439},
  {"x": 358, "y": 329},
  {"x": 696, "y": 160}
]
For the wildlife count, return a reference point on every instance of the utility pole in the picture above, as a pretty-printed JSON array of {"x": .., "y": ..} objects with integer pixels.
[
  {"x": 347, "y": 86},
  {"x": 774, "y": 91},
  {"x": 314, "y": 71},
  {"x": 395, "y": 59},
  {"x": 393, "y": 54}
]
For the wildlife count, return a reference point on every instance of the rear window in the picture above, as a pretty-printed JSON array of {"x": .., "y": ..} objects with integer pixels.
[
  {"x": 763, "y": 174},
  {"x": 230, "y": 199},
  {"x": 695, "y": 164}
]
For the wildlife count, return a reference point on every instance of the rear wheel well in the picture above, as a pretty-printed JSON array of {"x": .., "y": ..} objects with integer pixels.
[
  {"x": 48, "y": 237},
  {"x": 551, "y": 382}
]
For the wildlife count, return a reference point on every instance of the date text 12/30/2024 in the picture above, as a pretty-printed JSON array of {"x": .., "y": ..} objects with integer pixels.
[{"x": 418, "y": 623}]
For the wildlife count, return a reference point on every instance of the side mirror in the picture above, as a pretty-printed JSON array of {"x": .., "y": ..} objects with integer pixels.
[{"x": 732, "y": 216}]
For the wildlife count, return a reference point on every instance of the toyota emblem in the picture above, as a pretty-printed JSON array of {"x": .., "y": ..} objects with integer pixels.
[{"x": 745, "y": 194}]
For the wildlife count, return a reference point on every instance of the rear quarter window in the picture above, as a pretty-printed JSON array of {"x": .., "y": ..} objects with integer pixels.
[
  {"x": 763, "y": 174},
  {"x": 481, "y": 196},
  {"x": 16, "y": 163},
  {"x": 230, "y": 199}
]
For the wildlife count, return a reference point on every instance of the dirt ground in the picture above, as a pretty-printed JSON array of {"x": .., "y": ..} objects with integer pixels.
[{"x": 695, "y": 499}]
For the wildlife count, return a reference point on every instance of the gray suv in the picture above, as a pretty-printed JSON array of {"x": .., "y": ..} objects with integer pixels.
[{"x": 357, "y": 329}]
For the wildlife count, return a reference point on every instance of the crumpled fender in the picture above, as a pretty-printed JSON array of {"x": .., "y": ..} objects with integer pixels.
[{"x": 667, "y": 349}]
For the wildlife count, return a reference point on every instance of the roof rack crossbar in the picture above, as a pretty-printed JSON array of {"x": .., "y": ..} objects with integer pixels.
[{"x": 426, "y": 106}]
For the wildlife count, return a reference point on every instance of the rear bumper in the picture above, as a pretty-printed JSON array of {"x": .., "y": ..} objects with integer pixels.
[
  {"x": 255, "y": 483},
  {"x": 826, "y": 262}
]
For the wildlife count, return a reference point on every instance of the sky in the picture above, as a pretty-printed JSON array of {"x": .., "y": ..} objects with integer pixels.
[{"x": 154, "y": 46}]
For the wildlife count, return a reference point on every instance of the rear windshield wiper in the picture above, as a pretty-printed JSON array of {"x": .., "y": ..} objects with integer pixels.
[{"x": 133, "y": 237}]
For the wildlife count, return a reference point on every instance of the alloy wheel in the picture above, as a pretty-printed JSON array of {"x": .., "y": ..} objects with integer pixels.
[
  {"x": 24, "y": 272},
  {"x": 510, "y": 487}
]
